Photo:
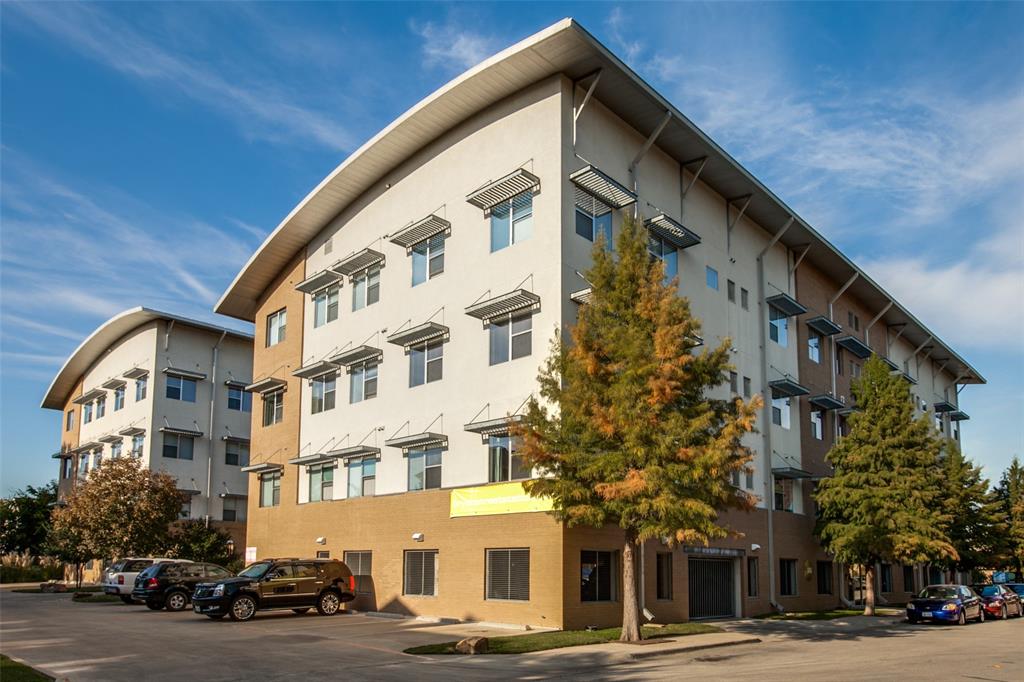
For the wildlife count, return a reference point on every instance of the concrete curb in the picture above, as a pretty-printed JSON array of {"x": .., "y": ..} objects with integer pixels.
[
  {"x": 686, "y": 648},
  {"x": 39, "y": 669}
]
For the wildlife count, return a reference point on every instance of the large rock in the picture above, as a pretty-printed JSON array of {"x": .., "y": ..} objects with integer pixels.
[
  {"x": 473, "y": 645},
  {"x": 53, "y": 587}
]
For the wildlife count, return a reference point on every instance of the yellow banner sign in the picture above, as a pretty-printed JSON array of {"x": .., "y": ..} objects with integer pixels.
[{"x": 501, "y": 498}]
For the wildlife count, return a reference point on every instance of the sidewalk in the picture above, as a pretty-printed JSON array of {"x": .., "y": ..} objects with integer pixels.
[{"x": 617, "y": 652}]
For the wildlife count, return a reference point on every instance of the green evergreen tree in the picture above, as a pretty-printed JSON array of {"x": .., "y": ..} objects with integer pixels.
[
  {"x": 626, "y": 431},
  {"x": 1010, "y": 494},
  {"x": 881, "y": 503},
  {"x": 974, "y": 516}
]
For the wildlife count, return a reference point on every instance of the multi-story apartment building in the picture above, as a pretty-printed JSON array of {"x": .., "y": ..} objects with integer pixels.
[
  {"x": 169, "y": 391},
  {"x": 404, "y": 306}
]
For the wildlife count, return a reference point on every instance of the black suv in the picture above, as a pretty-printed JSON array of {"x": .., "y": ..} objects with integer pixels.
[
  {"x": 296, "y": 584},
  {"x": 170, "y": 584}
]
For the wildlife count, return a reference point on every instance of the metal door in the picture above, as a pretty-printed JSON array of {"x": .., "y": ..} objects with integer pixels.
[{"x": 711, "y": 588}]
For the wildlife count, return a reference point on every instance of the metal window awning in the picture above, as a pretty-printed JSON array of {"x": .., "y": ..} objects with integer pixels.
[
  {"x": 503, "y": 189},
  {"x": 86, "y": 447},
  {"x": 826, "y": 402},
  {"x": 855, "y": 346},
  {"x": 847, "y": 411},
  {"x": 959, "y": 416},
  {"x": 582, "y": 296},
  {"x": 320, "y": 280},
  {"x": 192, "y": 433},
  {"x": 307, "y": 460},
  {"x": 136, "y": 373},
  {"x": 234, "y": 439},
  {"x": 787, "y": 388},
  {"x": 132, "y": 431},
  {"x": 316, "y": 369},
  {"x": 357, "y": 356},
  {"x": 428, "y": 331},
  {"x": 240, "y": 385},
  {"x": 355, "y": 451},
  {"x": 62, "y": 454},
  {"x": 892, "y": 365},
  {"x": 823, "y": 325},
  {"x": 909, "y": 379},
  {"x": 190, "y": 492},
  {"x": 493, "y": 427},
  {"x": 267, "y": 385},
  {"x": 943, "y": 406},
  {"x": 672, "y": 231},
  {"x": 421, "y": 230},
  {"x": 89, "y": 396},
  {"x": 419, "y": 441},
  {"x": 791, "y": 473},
  {"x": 233, "y": 496},
  {"x": 786, "y": 304},
  {"x": 357, "y": 262},
  {"x": 111, "y": 438},
  {"x": 183, "y": 373},
  {"x": 602, "y": 187},
  {"x": 264, "y": 468},
  {"x": 512, "y": 302},
  {"x": 114, "y": 383}
]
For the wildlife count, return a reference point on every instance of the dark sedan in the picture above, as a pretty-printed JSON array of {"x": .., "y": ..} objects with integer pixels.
[
  {"x": 946, "y": 604},
  {"x": 1000, "y": 601}
]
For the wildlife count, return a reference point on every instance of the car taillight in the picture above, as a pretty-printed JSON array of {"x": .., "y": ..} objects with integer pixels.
[
  {"x": 120, "y": 580},
  {"x": 152, "y": 582},
  {"x": 352, "y": 583}
]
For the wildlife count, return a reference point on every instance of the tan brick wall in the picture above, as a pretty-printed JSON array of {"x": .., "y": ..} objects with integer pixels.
[{"x": 69, "y": 440}]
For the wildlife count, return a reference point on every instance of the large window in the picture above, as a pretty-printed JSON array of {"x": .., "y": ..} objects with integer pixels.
[
  {"x": 323, "y": 393},
  {"x": 420, "y": 573},
  {"x": 101, "y": 406},
  {"x": 427, "y": 259},
  {"x": 824, "y": 573},
  {"x": 512, "y": 221},
  {"x": 787, "y": 577},
  {"x": 511, "y": 337},
  {"x": 83, "y": 466},
  {"x": 505, "y": 463},
  {"x": 361, "y": 565},
  {"x": 814, "y": 347},
  {"x": 115, "y": 449},
  {"x": 426, "y": 363},
  {"x": 140, "y": 389},
  {"x": 778, "y": 326},
  {"x": 663, "y": 575},
  {"x": 233, "y": 509},
  {"x": 177, "y": 446},
  {"x": 239, "y": 399},
  {"x": 362, "y": 383},
  {"x": 597, "y": 575},
  {"x": 118, "y": 398},
  {"x": 508, "y": 574},
  {"x": 665, "y": 252},
  {"x": 784, "y": 494},
  {"x": 273, "y": 408},
  {"x": 180, "y": 388},
  {"x": 362, "y": 477},
  {"x": 270, "y": 489},
  {"x": 780, "y": 411},
  {"x": 86, "y": 413},
  {"x": 424, "y": 469},
  {"x": 753, "y": 577},
  {"x": 137, "y": 444},
  {"x": 817, "y": 424},
  {"x": 236, "y": 453},
  {"x": 276, "y": 325},
  {"x": 325, "y": 305},
  {"x": 321, "y": 482},
  {"x": 594, "y": 221},
  {"x": 366, "y": 288}
]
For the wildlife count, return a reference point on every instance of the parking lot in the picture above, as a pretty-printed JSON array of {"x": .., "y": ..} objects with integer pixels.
[{"x": 110, "y": 641}]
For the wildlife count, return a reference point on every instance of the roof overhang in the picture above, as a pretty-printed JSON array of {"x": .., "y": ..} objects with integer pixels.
[
  {"x": 786, "y": 304},
  {"x": 357, "y": 356},
  {"x": 824, "y": 326},
  {"x": 787, "y": 388},
  {"x": 672, "y": 231},
  {"x": 418, "y": 441},
  {"x": 505, "y": 304},
  {"x": 421, "y": 230},
  {"x": 855, "y": 346},
  {"x": 423, "y": 333}
]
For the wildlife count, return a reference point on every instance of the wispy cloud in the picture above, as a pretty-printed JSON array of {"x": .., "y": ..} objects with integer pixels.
[{"x": 454, "y": 47}]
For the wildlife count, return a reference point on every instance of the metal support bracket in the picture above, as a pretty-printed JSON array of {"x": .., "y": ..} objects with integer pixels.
[
  {"x": 586, "y": 98},
  {"x": 842, "y": 290},
  {"x": 650, "y": 141},
  {"x": 730, "y": 224},
  {"x": 876, "y": 318},
  {"x": 799, "y": 259},
  {"x": 891, "y": 340}
]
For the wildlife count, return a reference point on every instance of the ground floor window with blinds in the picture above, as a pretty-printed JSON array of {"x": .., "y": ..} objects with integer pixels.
[
  {"x": 361, "y": 565},
  {"x": 508, "y": 574},
  {"x": 597, "y": 575},
  {"x": 787, "y": 577},
  {"x": 421, "y": 573}
]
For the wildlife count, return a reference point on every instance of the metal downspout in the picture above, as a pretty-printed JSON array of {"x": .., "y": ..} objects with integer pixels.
[{"x": 213, "y": 400}]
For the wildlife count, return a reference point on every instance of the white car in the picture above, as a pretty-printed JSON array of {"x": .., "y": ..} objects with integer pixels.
[{"x": 119, "y": 577}]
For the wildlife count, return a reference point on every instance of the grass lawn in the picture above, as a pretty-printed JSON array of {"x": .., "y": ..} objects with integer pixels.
[
  {"x": 826, "y": 615},
  {"x": 12, "y": 671},
  {"x": 96, "y": 598},
  {"x": 541, "y": 641}
]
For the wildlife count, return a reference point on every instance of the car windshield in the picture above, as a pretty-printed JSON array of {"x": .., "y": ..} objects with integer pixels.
[
  {"x": 255, "y": 571},
  {"x": 987, "y": 590},
  {"x": 938, "y": 592}
]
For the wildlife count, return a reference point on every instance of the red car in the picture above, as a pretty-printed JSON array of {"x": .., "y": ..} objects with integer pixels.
[{"x": 1000, "y": 601}]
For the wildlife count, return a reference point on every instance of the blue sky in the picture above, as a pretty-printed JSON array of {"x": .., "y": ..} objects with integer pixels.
[{"x": 147, "y": 149}]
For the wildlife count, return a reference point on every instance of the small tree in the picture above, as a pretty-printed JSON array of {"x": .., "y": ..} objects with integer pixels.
[
  {"x": 25, "y": 519},
  {"x": 631, "y": 437},
  {"x": 881, "y": 503},
  {"x": 196, "y": 541},
  {"x": 974, "y": 515},
  {"x": 67, "y": 541},
  {"x": 1010, "y": 493}
]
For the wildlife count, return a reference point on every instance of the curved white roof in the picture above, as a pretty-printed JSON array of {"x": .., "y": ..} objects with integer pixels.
[
  {"x": 566, "y": 48},
  {"x": 106, "y": 335}
]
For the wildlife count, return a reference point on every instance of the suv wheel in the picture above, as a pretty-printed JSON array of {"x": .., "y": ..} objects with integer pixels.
[
  {"x": 177, "y": 601},
  {"x": 328, "y": 603},
  {"x": 243, "y": 607}
]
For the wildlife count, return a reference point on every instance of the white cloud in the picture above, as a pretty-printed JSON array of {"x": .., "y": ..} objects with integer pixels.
[{"x": 453, "y": 47}]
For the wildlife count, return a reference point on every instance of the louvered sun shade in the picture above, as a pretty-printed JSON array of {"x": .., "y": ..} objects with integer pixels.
[{"x": 494, "y": 193}]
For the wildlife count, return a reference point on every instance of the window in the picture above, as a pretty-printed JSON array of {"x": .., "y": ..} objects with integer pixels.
[
  {"x": 663, "y": 575},
  {"x": 321, "y": 482},
  {"x": 427, "y": 259},
  {"x": 118, "y": 398},
  {"x": 512, "y": 221},
  {"x": 420, "y": 573},
  {"x": 824, "y": 574},
  {"x": 325, "y": 305},
  {"x": 323, "y": 393},
  {"x": 180, "y": 388},
  {"x": 276, "y": 325},
  {"x": 780, "y": 412},
  {"x": 885, "y": 577},
  {"x": 86, "y": 413},
  {"x": 504, "y": 462},
  {"x": 854, "y": 321},
  {"x": 69, "y": 421},
  {"x": 839, "y": 360},
  {"x": 784, "y": 494},
  {"x": 329, "y": 246},
  {"x": 270, "y": 489},
  {"x": 83, "y": 466},
  {"x": 362, "y": 383},
  {"x": 730, "y": 289},
  {"x": 361, "y": 565},
  {"x": 666, "y": 253},
  {"x": 735, "y": 477},
  {"x": 177, "y": 446},
  {"x": 273, "y": 408},
  {"x": 233, "y": 509},
  {"x": 711, "y": 276},
  {"x": 101, "y": 406},
  {"x": 734, "y": 382},
  {"x": 817, "y": 421},
  {"x": 65, "y": 467},
  {"x": 746, "y": 387},
  {"x": 239, "y": 400},
  {"x": 186, "y": 507},
  {"x": 236, "y": 453},
  {"x": 426, "y": 363},
  {"x": 366, "y": 288},
  {"x": 908, "y": 579},
  {"x": 508, "y": 574},
  {"x": 854, "y": 370},
  {"x": 424, "y": 469},
  {"x": 137, "y": 443},
  {"x": 744, "y": 298},
  {"x": 778, "y": 326},
  {"x": 752, "y": 577},
  {"x": 594, "y": 221},
  {"x": 115, "y": 449},
  {"x": 362, "y": 477},
  {"x": 97, "y": 459},
  {"x": 787, "y": 577},
  {"x": 511, "y": 338},
  {"x": 597, "y": 581},
  {"x": 749, "y": 479},
  {"x": 140, "y": 389},
  {"x": 814, "y": 347}
]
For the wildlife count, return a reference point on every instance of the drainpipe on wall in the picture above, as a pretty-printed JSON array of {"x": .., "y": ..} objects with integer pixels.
[{"x": 213, "y": 400}]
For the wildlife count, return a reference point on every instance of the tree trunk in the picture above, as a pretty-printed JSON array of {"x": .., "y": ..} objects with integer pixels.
[
  {"x": 630, "y": 596},
  {"x": 869, "y": 589}
]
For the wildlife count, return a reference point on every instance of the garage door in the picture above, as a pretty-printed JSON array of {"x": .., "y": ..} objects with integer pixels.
[{"x": 711, "y": 588}]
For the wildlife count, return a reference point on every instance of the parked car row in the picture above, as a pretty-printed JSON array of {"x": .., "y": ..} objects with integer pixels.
[{"x": 960, "y": 603}]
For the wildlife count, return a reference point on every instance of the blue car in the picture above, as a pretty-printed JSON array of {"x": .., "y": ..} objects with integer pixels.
[{"x": 946, "y": 604}]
